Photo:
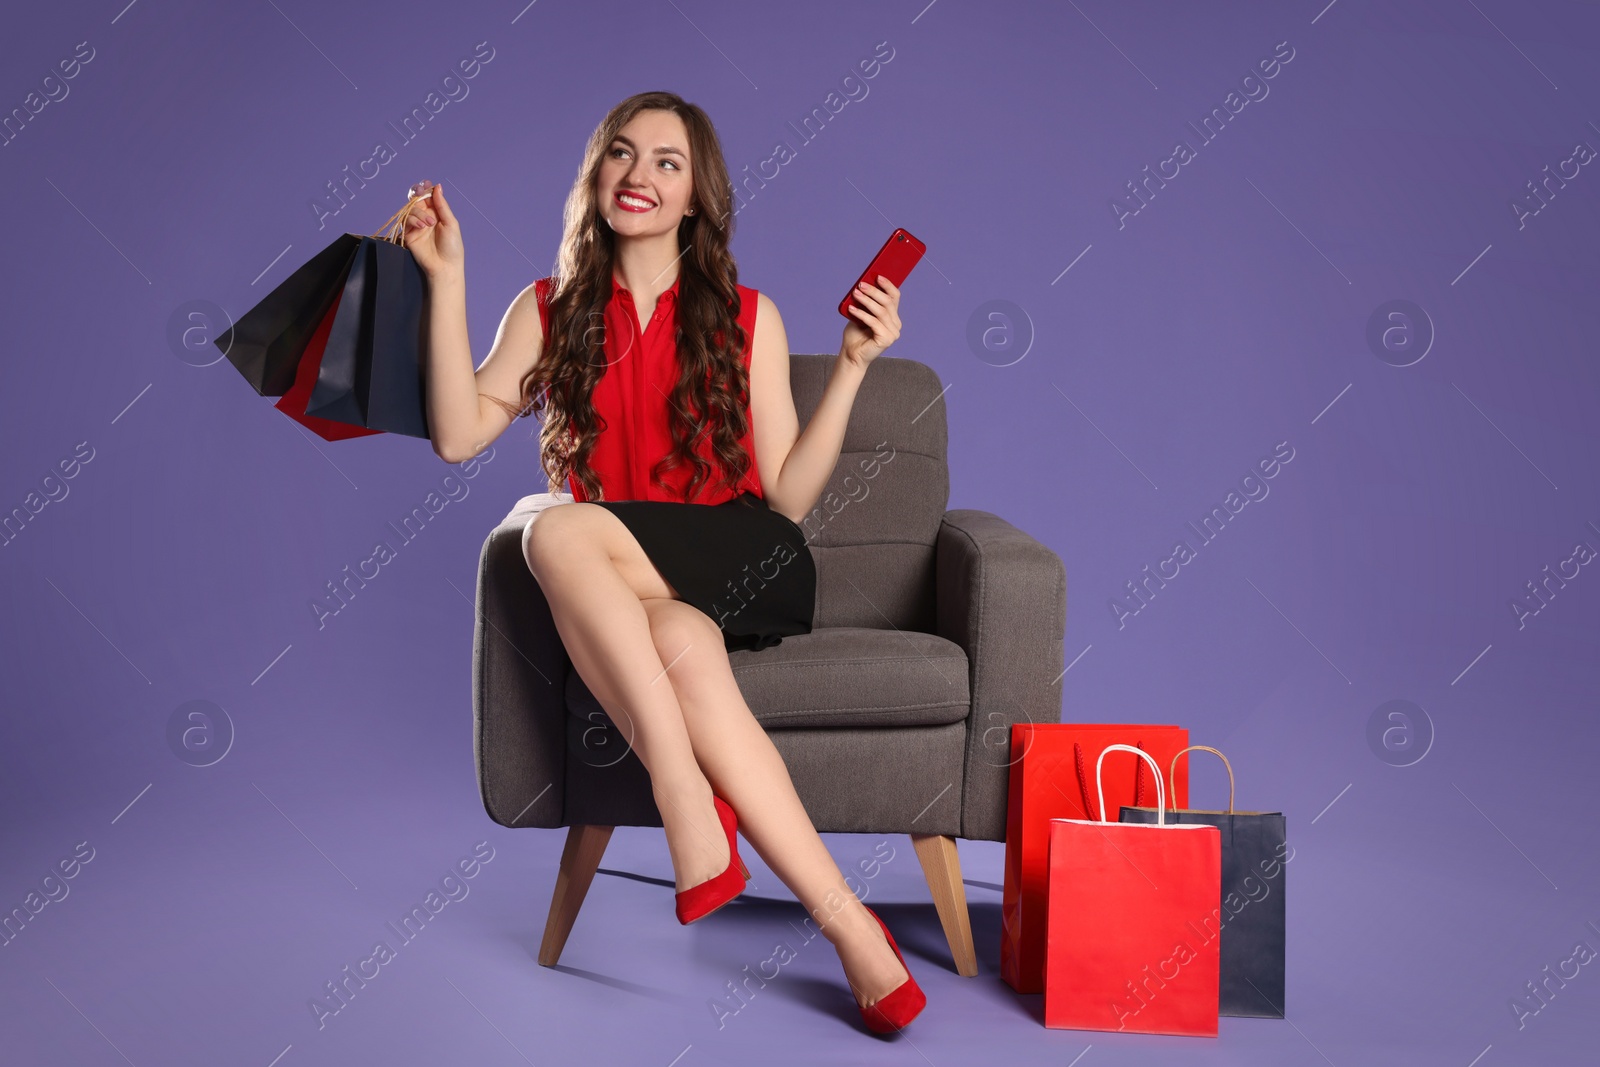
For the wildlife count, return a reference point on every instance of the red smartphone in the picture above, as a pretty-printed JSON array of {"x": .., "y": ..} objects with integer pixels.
[{"x": 894, "y": 261}]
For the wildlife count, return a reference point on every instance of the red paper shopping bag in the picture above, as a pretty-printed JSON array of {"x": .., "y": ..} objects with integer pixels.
[
  {"x": 293, "y": 403},
  {"x": 1127, "y": 948},
  {"x": 1052, "y": 765}
]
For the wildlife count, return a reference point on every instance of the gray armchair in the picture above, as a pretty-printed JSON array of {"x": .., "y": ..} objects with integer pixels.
[{"x": 934, "y": 631}]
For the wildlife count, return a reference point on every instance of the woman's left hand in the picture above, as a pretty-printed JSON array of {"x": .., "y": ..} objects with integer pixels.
[{"x": 876, "y": 326}]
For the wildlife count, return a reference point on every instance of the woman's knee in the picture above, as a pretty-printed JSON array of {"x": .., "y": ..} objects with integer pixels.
[
  {"x": 556, "y": 531},
  {"x": 682, "y": 632}
]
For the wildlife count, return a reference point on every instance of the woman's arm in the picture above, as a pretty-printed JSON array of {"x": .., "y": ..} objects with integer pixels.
[
  {"x": 466, "y": 408},
  {"x": 463, "y": 417},
  {"x": 795, "y": 467}
]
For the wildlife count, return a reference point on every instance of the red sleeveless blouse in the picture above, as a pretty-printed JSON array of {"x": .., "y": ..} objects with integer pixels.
[{"x": 632, "y": 395}]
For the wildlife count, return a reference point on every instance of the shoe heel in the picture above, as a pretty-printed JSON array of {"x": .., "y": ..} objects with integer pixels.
[
  {"x": 903, "y": 1003},
  {"x": 701, "y": 900}
]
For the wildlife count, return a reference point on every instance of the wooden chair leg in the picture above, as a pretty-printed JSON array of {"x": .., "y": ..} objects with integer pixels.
[
  {"x": 941, "y": 865},
  {"x": 585, "y": 845}
]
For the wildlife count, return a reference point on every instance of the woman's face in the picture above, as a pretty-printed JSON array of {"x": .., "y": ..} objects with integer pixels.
[{"x": 645, "y": 183}]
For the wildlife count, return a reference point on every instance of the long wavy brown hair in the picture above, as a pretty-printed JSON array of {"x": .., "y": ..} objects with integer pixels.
[{"x": 712, "y": 391}]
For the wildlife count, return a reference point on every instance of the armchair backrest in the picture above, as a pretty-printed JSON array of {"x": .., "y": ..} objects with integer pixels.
[{"x": 873, "y": 530}]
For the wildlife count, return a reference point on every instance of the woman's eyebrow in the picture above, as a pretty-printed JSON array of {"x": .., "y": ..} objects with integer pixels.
[{"x": 660, "y": 151}]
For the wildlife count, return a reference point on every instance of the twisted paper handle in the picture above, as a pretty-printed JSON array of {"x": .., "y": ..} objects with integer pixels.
[
  {"x": 1144, "y": 757},
  {"x": 393, "y": 231},
  {"x": 1083, "y": 781},
  {"x": 1204, "y": 748}
]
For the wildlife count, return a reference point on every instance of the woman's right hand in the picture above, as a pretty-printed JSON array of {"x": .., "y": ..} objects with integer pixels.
[{"x": 432, "y": 232}]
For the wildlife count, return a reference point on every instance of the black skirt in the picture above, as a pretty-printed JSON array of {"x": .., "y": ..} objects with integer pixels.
[{"x": 743, "y": 564}]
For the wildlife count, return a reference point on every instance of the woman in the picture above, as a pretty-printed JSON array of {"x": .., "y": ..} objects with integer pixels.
[{"x": 633, "y": 567}]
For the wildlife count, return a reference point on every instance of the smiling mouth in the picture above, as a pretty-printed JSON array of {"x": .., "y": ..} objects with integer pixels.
[{"x": 632, "y": 202}]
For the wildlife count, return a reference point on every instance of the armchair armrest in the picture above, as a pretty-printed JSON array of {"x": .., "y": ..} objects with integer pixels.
[
  {"x": 1002, "y": 596},
  {"x": 519, "y": 679}
]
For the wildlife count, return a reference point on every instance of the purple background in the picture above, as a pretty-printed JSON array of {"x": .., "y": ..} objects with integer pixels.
[{"x": 1228, "y": 315}]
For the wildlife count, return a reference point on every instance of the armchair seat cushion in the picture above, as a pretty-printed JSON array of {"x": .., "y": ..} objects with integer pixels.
[{"x": 840, "y": 676}]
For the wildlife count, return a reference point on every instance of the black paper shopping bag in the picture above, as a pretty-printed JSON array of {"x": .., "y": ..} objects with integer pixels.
[
  {"x": 369, "y": 294},
  {"x": 1250, "y": 916},
  {"x": 293, "y": 403},
  {"x": 266, "y": 343},
  {"x": 373, "y": 365}
]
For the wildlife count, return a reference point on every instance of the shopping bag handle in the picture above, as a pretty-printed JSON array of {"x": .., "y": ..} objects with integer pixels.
[
  {"x": 1214, "y": 752},
  {"x": 1083, "y": 781},
  {"x": 393, "y": 231},
  {"x": 1161, "y": 792}
]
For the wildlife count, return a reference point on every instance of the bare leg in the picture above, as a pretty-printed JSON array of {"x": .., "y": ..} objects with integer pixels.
[
  {"x": 745, "y": 768},
  {"x": 593, "y": 573}
]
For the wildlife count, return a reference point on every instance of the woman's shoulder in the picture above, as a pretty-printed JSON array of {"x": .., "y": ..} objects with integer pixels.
[
  {"x": 541, "y": 295},
  {"x": 750, "y": 300},
  {"x": 748, "y": 295}
]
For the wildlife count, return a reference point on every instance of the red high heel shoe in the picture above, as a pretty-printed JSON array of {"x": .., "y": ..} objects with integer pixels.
[
  {"x": 701, "y": 900},
  {"x": 896, "y": 1008}
]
